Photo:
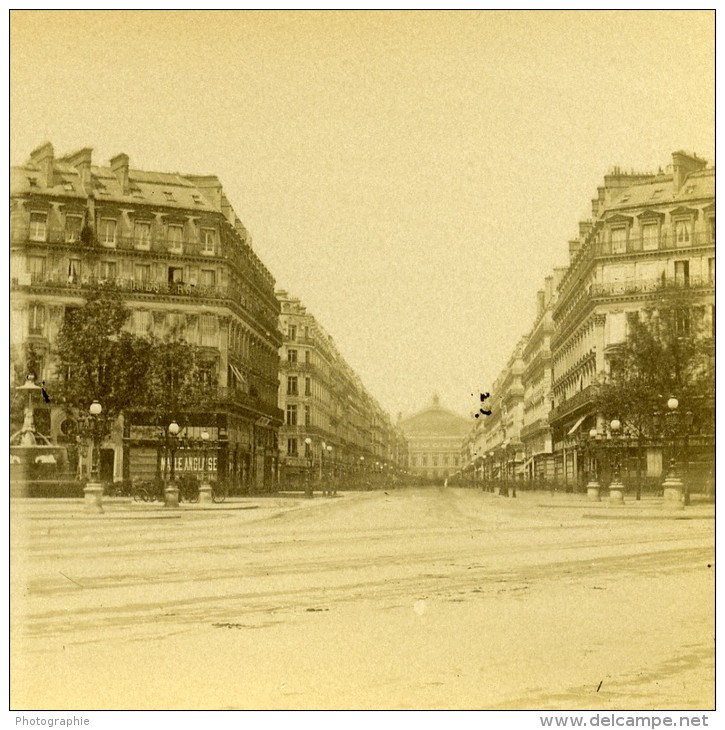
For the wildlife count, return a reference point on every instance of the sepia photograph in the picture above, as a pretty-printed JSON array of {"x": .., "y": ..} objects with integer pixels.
[{"x": 362, "y": 360}]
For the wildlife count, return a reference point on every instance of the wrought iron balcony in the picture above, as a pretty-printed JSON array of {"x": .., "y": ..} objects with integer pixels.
[
  {"x": 58, "y": 281},
  {"x": 637, "y": 286},
  {"x": 239, "y": 397},
  {"x": 579, "y": 399}
]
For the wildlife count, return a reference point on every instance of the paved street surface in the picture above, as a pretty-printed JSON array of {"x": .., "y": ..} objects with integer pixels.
[{"x": 429, "y": 598}]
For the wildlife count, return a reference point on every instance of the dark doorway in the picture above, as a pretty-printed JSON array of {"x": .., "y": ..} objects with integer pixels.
[{"x": 106, "y": 464}]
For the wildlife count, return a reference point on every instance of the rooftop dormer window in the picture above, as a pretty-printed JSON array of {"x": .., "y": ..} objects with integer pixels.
[{"x": 33, "y": 182}]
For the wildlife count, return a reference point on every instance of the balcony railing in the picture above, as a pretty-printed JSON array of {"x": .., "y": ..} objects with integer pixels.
[
  {"x": 192, "y": 246},
  {"x": 635, "y": 286},
  {"x": 666, "y": 241},
  {"x": 57, "y": 281},
  {"x": 239, "y": 397},
  {"x": 570, "y": 404}
]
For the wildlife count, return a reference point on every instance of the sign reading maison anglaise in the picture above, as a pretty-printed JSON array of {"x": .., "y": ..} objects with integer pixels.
[{"x": 190, "y": 461}]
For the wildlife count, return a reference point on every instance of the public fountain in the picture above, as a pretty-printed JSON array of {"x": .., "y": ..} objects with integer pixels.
[{"x": 37, "y": 467}]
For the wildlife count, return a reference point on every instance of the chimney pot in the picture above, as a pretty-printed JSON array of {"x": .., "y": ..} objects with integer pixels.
[
  {"x": 119, "y": 167},
  {"x": 43, "y": 157}
]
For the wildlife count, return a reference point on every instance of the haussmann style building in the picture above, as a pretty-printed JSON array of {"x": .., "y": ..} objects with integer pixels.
[
  {"x": 173, "y": 248},
  {"x": 333, "y": 427}
]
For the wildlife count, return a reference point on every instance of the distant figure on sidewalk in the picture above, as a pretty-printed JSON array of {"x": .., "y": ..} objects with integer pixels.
[{"x": 445, "y": 483}]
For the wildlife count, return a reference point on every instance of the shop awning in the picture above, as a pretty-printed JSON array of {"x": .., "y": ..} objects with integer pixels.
[
  {"x": 241, "y": 378},
  {"x": 576, "y": 426}
]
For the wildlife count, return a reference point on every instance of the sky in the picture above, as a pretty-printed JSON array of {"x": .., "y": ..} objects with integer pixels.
[{"x": 412, "y": 177}]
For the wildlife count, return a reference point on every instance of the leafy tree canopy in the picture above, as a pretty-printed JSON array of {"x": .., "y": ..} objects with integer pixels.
[
  {"x": 667, "y": 352},
  {"x": 176, "y": 381},
  {"x": 100, "y": 361}
]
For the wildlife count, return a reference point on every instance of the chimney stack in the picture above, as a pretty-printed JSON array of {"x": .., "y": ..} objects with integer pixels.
[
  {"x": 574, "y": 247},
  {"x": 548, "y": 289},
  {"x": 682, "y": 165},
  {"x": 81, "y": 160},
  {"x": 119, "y": 167},
  {"x": 43, "y": 157}
]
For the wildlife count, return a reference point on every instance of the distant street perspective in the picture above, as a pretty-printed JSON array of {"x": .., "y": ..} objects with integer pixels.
[
  {"x": 408, "y": 598},
  {"x": 362, "y": 360}
]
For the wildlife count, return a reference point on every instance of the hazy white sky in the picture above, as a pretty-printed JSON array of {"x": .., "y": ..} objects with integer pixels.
[{"x": 411, "y": 176}]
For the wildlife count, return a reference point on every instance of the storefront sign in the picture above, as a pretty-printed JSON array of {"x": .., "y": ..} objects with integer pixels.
[{"x": 190, "y": 461}]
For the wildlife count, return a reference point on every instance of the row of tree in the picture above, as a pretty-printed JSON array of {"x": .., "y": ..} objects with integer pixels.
[{"x": 97, "y": 359}]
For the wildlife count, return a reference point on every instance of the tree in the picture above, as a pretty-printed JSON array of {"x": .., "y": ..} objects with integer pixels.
[
  {"x": 667, "y": 352},
  {"x": 175, "y": 382},
  {"x": 97, "y": 360},
  {"x": 156, "y": 379}
]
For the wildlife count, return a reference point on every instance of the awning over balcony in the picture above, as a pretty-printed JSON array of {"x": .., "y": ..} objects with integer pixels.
[
  {"x": 241, "y": 378},
  {"x": 576, "y": 425}
]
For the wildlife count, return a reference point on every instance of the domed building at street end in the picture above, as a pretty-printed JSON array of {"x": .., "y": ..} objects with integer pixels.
[{"x": 435, "y": 437}]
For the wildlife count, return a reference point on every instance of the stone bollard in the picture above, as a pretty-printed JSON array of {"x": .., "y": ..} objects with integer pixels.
[
  {"x": 616, "y": 493},
  {"x": 93, "y": 497},
  {"x": 171, "y": 496},
  {"x": 205, "y": 493},
  {"x": 593, "y": 491},
  {"x": 672, "y": 491}
]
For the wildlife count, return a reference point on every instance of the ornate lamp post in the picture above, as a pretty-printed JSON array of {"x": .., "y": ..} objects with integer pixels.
[
  {"x": 205, "y": 488},
  {"x": 308, "y": 466},
  {"x": 331, "y": 472},
  {"x": 616, "y": 487},
  {"x": 323, "y": 453},
  {"x": 171, "y": 491},
  {"x": 592, "y": 451},
  {"x": 675, "y": 494},
  {"x": 93, "y": 491}
]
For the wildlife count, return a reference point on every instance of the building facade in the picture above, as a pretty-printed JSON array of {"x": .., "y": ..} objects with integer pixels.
[
  {"x": 537, "y": 383},
  {"x": 332, "y": 425},
  {"x": 173, "y": 248},
  {"x": 435, "y": 438},
  {"x": 648, "y": 233}
]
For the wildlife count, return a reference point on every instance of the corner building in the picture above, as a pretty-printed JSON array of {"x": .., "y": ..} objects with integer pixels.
[
  {"x": 172, "y": 246},
  {"x": 648, "y": 232}
]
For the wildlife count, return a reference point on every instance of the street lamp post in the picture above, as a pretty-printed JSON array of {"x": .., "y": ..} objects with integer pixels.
[
  {"x": 323, "y": 453},
  {"x": 93, "y": 491},
  {"x": 205, "y": 488},
  {"x": 616, "y": 487},
  {"x": 592, "y": 449},
  {"x": 308, "y": 466},
  {"x": 171, "y": 490},
  {"x": 676, "y": 495},
  {"x": 330, "y": 472}
]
